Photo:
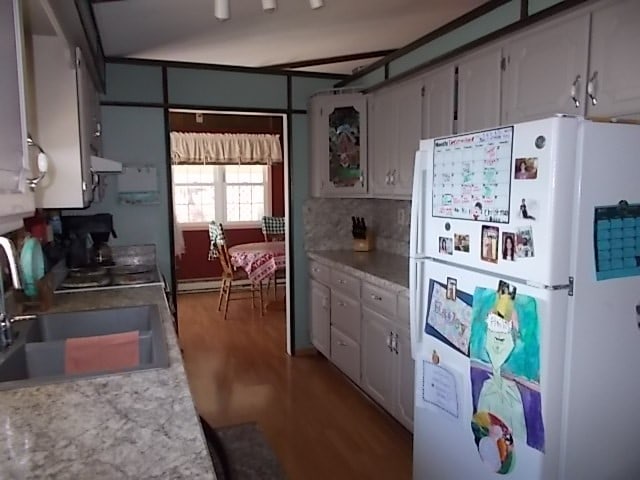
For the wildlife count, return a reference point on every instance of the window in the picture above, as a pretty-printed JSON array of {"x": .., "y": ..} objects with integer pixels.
[{"x": 231, "y": 194}]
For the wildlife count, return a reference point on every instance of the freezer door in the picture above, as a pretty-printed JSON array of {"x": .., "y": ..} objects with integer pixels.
[
  {"x": 500, "y": 200},
  {"x": 601, "y": 420},
  {"x": 444, "y": 443}
]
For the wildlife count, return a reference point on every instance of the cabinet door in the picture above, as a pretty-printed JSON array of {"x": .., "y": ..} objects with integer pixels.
[
  {"x": 438, "y": 103},
  {"x": 87, "y": 124},
  {"x": 343, "y": 144},
  {"x": 320, "y": 317},
  {"x": 546, "y": 70},
  {"x": 16, "y": 200},
  {"x": 408, "y": 125},
  {"x": 381, "y": 141},
  {"x": 345, "y": 354},
  {"x": 615, "y": 61},
  {"x": 479, "y": 77},
  {"x": 377, "y": 358},
  {"x": 404, "y": 378}
]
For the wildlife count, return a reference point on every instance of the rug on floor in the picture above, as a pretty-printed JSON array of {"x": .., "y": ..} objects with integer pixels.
[{"x": 248, "y": 454}]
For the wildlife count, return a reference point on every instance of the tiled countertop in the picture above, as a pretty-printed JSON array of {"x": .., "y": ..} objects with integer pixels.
[
  {"x": 135, "y": 425},
  {"x": 381, "y": 268}
]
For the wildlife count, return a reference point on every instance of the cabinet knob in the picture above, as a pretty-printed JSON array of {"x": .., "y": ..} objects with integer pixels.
[
  {"x": 376, "y": 297},
  {"x": 98, "y": 132},
  {"x": 341, "y": 343},
  {"x": 341, "y": 282},
  {"x": 342, "y": 304}
]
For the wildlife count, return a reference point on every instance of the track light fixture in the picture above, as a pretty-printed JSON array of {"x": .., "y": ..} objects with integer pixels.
[
  {"x": 221, "y": 9},
  {"x": 268, "y": 5},
  {"x": 315, "y": 4}
]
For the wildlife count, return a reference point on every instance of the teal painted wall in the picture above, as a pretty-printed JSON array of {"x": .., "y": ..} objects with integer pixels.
[
  {"x": 299, "y": 159},
  {"x": 370, "y": 79},
  {"x": 536, "y": 6},
  {"x": 133, "y": 83},
  {"x": 495, "y": 20},
  {"x": 135, "y": 136},
  {"x": 303, "y": 87},
  {"x": 188, "y": 86}
]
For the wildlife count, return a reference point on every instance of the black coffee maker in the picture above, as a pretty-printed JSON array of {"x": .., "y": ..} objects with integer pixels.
[{"x": 87, "y": 237}]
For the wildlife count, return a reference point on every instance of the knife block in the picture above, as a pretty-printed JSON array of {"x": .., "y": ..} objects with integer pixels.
[{"x": 364, "y": 244}]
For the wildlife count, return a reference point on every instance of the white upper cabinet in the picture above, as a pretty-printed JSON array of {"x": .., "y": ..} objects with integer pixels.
[
  {"x": 546, "y": 71},
  {"x": 16, "y": 200},
  {"x": 396, "y": 130},
  {"x": 382, "y": 133},
  {"x": 479, "y": 89},
  {"x": 408, "y": 120},
  {"x": 438, "y": 102},
  {"x": 614, "y": 75},
  {"x": 66, "y": 103},
  {"x": 339, "y": 146}
]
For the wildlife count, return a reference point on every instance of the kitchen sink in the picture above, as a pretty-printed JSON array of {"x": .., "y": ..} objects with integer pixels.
[{"x": 38, "y": 352}]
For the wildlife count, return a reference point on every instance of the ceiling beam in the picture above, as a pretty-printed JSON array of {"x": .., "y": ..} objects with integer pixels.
[{"x": 329, "y": 60}]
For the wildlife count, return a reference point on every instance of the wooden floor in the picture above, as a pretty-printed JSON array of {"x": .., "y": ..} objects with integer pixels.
[{"x": 319, "y": 425}]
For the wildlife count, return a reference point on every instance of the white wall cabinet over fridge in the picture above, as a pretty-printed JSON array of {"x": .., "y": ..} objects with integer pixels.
[
  {"x": 614, "y": 66},
  {"x": 339, "y": 145},
  {"x": 546, "y": 71},
  {"x": 16, "y": 200},
  {"x": 67, "y": 123}
]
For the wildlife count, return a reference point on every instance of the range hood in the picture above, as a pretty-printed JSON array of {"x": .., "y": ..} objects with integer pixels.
[{"x": 104, "y": 165}]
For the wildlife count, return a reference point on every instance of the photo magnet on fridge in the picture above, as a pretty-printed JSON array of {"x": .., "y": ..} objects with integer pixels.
[
  {"x": 445, "y": 245},
  {"x": 508, "y": 246},
  {"x": 524, "y": 243},
  {"x": 461, "y": 242},
  {"x": 526, "y": 207},
  {"x": 452, "y": 288},
  {"x": 489, "y": 243},
  {"x": 526, "y": 168}
]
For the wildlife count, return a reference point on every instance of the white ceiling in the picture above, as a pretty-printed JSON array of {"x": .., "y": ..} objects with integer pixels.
[{"x": 186, "y": 30}]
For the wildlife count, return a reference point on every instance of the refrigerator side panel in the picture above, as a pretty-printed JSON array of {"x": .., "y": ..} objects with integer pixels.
[
  {"x": 502, "y": 202},
  {"x": 445, "y": 446},
  {"x": 417, "y": 246},
  {"x": 600, "y": 421}
]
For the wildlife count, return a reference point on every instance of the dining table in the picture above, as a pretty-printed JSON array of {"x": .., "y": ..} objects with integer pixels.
[{"x": 259, "y": 259}]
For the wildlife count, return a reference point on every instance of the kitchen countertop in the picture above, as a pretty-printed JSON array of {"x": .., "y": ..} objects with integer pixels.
[
  {"x": 381, "y": 268},
  {"x": 134, "y": 425}
]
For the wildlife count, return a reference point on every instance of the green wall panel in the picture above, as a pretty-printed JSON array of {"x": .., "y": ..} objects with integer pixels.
[
  {"x": 135, "y": 136},
  {"x": 133, "y": 83},
  {"x": 481, "y": 26},
  {"x": 303, "y": 87},
  {"x": 536, "y": 6},
  {"x": 299, "y": 173},
  {"x": 219, "y": 88},
  {"x": 372, "y": 78}
]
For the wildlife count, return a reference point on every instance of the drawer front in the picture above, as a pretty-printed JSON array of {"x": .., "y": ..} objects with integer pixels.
[
  {"x": 379, "y": 300},
  {"x": 320, "y": 272},
  {"x": 345, "y": 283},
  {"x": 345, "y": 354},
  {"x": 345, "y": 315},
  {"x": 404, "y": 315}
]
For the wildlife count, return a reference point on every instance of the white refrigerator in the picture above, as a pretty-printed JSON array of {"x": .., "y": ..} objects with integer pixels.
[{"x": 525, "y": 302}]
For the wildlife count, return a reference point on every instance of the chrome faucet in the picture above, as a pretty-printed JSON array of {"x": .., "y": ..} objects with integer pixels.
[{"x": 6, "y": 334}]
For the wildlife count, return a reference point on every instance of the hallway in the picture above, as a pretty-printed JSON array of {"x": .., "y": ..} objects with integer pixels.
[{"x": 318, "y": 424}]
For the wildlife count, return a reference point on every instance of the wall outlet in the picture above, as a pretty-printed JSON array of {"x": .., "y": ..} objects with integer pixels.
[{"x": 401, "y": 216}]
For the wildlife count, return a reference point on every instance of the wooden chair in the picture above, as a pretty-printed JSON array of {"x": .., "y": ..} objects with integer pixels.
[
  {"x": 273, "y": 229},
  {"x": 218, "y": 249}
]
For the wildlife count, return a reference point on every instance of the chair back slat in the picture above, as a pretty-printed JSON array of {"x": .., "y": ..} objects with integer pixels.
[
  {"x": 218, "y": 247},
  {"x": 273, "y": 228}
]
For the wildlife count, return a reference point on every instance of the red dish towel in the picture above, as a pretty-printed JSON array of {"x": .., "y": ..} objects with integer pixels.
[{"x": 102, "y": 353}]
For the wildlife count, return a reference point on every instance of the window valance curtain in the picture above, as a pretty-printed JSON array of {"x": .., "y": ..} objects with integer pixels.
[{"x": 225, "y": 148}]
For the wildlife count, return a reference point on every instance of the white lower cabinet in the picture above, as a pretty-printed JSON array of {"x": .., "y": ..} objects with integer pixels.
[
  {"x": 363, "y": 330},
  {"x": 320, "y": 312}
]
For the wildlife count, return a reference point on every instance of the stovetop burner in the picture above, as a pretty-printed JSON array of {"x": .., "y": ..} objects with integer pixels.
[{"x": 109, "y": 277}]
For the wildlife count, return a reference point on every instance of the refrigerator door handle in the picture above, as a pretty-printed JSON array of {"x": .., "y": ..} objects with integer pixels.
[
  {"x": 415, "y": 287},
  {"x": 389, "y": 341},
  {"x": 417, "y": 215}
]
